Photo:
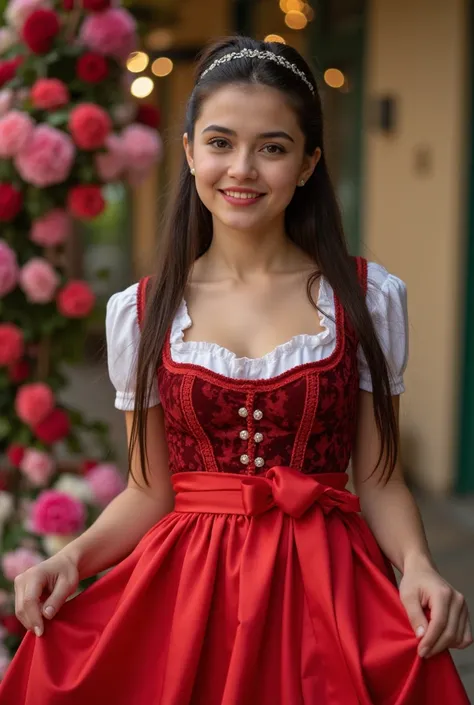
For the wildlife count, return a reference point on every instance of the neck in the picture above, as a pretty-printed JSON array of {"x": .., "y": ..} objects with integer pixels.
[{"x": 243, "y": 254}]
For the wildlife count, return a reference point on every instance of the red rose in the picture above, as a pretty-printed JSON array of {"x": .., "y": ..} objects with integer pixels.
[
  {"x": 149, "y": 115},
  {"x": 90, "y": 5},
  {"x": 8, "y": 69},
  {"x": 13, "y": 625},
  {"x": 49, "y": 94},
  {"x": 12, "y": 344},
  {"x": 86, "y": 202},
  {"x": 11, "y": 202},
  {"x": 76, "y": 300},
  {"x": 92, "y": 67},
  {"x": 87, "y": 465},
  {"x": 90, "y": 126},
  {"x": 19, "y": 372},
  {"x": 15, "y": 453},
  {"x": 53, "y": 428},
  {"x": 40, "y": 30}
]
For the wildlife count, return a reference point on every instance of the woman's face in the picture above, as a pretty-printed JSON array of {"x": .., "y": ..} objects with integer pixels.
[{"x": 248, "y": 155}]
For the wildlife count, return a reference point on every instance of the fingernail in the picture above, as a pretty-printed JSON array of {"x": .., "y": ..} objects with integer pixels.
[
  {"x": 38, "y": 631},
  {"x": 49, "y": 611},
  {"x": 420, "y": 632},
  {"x": 423, "y": 653}
]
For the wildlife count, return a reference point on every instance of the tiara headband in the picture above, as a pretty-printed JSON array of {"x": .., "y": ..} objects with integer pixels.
[{"x": 255, "y": 54}]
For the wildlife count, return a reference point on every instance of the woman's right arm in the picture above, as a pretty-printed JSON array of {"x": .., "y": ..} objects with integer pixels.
[{"x": 112, "y": 536}]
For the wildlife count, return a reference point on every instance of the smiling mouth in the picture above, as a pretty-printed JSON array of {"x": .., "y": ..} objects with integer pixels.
[{"x": 241, "y": 195}]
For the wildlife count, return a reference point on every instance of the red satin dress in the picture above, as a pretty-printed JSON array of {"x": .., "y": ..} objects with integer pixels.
[{"x": 264, "y": 586}]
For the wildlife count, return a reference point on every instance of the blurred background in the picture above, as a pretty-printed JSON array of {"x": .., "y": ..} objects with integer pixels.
[{"x": 397, "y": 79}]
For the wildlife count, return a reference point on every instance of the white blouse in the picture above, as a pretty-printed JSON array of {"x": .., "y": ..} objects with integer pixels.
[{"x": 386, "y": 300}]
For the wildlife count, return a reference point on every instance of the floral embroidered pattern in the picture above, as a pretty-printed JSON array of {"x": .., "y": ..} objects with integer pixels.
[{"x": 305, "y": 418}]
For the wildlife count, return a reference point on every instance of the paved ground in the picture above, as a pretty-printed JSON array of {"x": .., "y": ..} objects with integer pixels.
[{"x": 449, "y": 523}]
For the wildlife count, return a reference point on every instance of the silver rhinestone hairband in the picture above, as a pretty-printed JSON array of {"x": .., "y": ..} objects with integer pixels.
[{"x": 255, "y": 54}]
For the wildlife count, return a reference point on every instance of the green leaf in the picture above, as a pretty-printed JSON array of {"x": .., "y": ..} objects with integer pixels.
[
  {"x": 5, "y": 427},
  {"x": 59, "y": 118}
]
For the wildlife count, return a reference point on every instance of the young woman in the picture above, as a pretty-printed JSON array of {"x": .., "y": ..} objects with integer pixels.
[{"x": 267, "y": 359}]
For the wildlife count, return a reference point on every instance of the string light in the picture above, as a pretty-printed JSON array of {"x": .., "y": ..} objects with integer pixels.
[
  {"x": 295, "y": 20},
  {"x": 274, "y": 38},
  {"x": 334, "y": 78},
  {"x": 137, "y": 62},
  {"x": 142, "y": 87},
  {"x": 162, "y": 67}
]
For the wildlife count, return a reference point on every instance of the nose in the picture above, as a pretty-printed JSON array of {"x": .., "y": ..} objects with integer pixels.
[{"x": 242, "y": 166}]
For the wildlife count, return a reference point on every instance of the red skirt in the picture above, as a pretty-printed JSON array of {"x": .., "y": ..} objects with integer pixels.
[{"x": 254, "y": 591}]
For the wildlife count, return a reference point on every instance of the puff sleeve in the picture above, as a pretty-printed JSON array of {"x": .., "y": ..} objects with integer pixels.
[
  {"x": 123, "y": 335},
  {"x": 387, "y": 304}
]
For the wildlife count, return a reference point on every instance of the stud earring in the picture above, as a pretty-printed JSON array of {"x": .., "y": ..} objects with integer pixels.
[
  {"x": 193, "y": 171},
  {"x": 301, "y": 183}
]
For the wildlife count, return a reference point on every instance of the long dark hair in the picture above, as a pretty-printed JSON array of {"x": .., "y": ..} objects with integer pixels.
[{"x": 312, "y": 220}]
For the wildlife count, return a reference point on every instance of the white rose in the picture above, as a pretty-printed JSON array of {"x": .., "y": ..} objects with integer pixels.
[
  {"x": 52, "y": 543},
  {"x": 6, "y": 100},
  {"x": 18, "y": 11},
  {"x": 75, "y": 486},
  {"x": 6, "y": 506},
  {"x": 8, "y": 38}
]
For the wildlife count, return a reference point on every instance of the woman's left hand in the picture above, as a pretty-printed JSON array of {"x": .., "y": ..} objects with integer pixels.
[{"x": 448, "y": 627}]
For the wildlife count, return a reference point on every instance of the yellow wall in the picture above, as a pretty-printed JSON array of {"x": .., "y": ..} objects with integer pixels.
[{"x": 413, "y": 205}]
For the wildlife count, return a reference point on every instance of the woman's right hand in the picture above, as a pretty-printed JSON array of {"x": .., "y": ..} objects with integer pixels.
[{"x": 57, "y": 578}]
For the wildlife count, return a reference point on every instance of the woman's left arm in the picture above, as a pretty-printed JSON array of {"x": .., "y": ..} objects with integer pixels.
[{"x": 391, "y": 512}]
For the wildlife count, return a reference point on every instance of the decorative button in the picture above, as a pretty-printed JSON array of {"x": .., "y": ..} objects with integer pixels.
[
  {"x": 244, "y": 459},
  {"x": 258, "y": 438},
  {"x": 259, "y": 462},
  {"x": 258, "y": 415},
  {"x": 244, "y": 435},
  {"x": 243, "y": 412}
]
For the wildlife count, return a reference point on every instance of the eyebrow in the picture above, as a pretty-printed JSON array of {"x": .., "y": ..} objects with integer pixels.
[{"x": 263, "y": 135}]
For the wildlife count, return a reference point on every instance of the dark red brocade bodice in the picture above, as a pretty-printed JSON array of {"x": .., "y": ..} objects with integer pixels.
[{"x": 305, "y": 418}]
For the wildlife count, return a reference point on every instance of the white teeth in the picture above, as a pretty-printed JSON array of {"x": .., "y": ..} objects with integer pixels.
[{"x": 239, "y": 194}]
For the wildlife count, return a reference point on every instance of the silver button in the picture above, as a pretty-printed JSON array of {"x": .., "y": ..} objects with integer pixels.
[
  {"x": 259, "y": 462},
  {"x": 258, "y": 415},
  {"x": 244, "y": 459},
  {"x": 258, "y": 438},
  {"x": 243, "y": 412},
  {"x": 244, "y": 435}
]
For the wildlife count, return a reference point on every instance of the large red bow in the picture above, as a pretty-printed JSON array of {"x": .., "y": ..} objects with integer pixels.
[{"x": 294, "y": 493}]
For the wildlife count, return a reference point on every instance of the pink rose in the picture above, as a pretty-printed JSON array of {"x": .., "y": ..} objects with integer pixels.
[
  {"x": 51, "y": 229},
  {"x": 90, "y": 126},
  {"x": 16, "y": 129},
  {"x": 105, "y": 482},
  {"x": 34, "y": 402},
  {"x": 16, "y": 562},
  {"x": 6, "y": 100},
  {"x": 57, "y": 513},
  {"x": 38, "y": 466},
  {"x": 143, "y": 147},
  {"x": 19, "y": 10},
  {"x": 111, "y": 164},
  {"x": 9, "y": 270},
  {"x": 11, "y": 344},
  {"x": 49, "y": 94},
  {"x": 112, "y": 32},
  {"x": 48, "y": 158},
  {"x": 39, "y": 281}
]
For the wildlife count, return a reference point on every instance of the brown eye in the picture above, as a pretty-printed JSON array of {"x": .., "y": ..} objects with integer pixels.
[
  {"x": 274, "y": 149},
  {"x": 219, "y": 142}
]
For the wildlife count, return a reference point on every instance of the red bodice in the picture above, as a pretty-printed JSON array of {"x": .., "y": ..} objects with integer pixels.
[{"x": 304, "y": 418}]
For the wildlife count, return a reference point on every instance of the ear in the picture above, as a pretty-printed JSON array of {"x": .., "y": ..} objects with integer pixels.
[
  {"x": 310, "y": 163},
  {"x": 188, "y": 150}
]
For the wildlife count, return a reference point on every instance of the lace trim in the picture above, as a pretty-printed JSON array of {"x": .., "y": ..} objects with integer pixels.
[
  {"x": 183, "y": 322},
  {"x": 263, "y": 384}
]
